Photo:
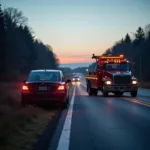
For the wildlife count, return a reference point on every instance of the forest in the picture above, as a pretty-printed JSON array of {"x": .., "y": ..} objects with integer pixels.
[
  {"x": 20, "y": 51},
  {"x": 136, "y": 48}
]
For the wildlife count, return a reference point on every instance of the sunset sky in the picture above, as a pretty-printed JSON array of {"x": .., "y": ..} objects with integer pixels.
[{"x": 78, "y": 28}]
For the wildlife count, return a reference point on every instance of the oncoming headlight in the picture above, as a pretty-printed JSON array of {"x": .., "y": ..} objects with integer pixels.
[
  {"x": 134, "y": 82},
  {"x": 73, "y": 79},
  {"x": 108, "y": 82}
]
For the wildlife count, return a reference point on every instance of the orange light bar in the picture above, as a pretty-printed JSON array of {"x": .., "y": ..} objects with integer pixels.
[
  {"x": 111, "y": 57},
  {"x": 25, "y": 88}
]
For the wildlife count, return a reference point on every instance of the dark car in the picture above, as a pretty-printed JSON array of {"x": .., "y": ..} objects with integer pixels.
[
  {"x": 76, "y": 79},
  {"x": 45, "y": 86}
]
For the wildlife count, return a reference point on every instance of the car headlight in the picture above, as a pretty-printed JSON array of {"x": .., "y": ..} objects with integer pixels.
[
  {"x": 73, "y": 79},
  {"x": 78, "y": 79},
  {"x": 134, "y": 82},
  {"x": 108, "y": 82}
]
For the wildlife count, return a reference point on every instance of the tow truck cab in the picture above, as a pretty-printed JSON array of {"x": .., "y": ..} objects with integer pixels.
[{"x": 111, "y": 74}]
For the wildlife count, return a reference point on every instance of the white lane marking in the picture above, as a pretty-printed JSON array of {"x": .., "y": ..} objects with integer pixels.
[{"x": 65, "y": 134}]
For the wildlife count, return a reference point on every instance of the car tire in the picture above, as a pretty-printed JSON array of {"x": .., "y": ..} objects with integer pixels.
[
  {"x": 89, "y": 89},
  {"x": 105, "y": 94},
  {"x": 95, "y": 92},
  {"x": 65, "y": 104},
  {"x": 134, "y": 93},
  {"x": 118, "y": 94}
]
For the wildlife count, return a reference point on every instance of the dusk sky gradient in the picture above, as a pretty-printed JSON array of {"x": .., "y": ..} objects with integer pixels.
[{"x": 78, "y": 28}]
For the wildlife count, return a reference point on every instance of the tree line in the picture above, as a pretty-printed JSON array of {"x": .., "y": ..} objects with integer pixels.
[
  {"x": 20, "y": 52},
  {"x": 137, "y": 50}
]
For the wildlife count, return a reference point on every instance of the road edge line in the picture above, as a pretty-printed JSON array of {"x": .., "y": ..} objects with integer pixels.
[{"x": 64, "y": 140}]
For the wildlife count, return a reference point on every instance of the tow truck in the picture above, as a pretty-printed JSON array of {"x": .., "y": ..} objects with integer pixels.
[{"x": 111, "y": 74}]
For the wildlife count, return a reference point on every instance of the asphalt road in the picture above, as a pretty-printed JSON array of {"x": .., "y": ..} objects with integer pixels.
[{"x": 103, "y": 123}]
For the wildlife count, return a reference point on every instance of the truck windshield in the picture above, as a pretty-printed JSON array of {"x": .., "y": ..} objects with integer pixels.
[{"x": 113, "y": 67}]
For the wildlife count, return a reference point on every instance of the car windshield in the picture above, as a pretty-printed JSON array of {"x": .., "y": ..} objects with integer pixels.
[
  {"x": 113, "y": 67},
  {"x": 44, "y": 76},
  {"x": 76, "y": 77}
]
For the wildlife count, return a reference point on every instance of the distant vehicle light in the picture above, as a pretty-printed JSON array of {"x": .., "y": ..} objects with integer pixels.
[
  {"x": 134, "y": 82},
  {"x": 108, "y": 82},
  {"x": 78, "y": 78},
  {"x": 78, "y": 83},
  {"x": 73, "y": 79},
  {"x": 25, "y": 88}
]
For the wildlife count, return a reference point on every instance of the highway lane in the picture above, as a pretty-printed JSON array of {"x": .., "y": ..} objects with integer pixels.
[{"x": 99, "y": 123}]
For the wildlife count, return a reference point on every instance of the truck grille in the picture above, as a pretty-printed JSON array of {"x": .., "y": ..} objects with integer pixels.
[{"x": 122, "y": 79}]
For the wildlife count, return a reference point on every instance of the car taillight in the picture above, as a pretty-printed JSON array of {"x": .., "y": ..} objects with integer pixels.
[
  {"x": 61, "y": 87},
  {"x": 25, "y": 88}
]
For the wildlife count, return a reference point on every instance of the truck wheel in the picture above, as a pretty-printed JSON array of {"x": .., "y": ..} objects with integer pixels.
[
  {"x": 95, "y": 92},
  {"x": 134, "y": 93},
  {"x": 118, "y": 93},
  {"x": 105, "y": 94},
  {"x": 89, "y": 89}
]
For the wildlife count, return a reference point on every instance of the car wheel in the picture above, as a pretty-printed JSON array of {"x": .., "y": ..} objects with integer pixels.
[
  {"x": 134, "y": 93},
  {"x": 95, "y": 92},
  {"x": 118, "y": 94},
  {"x": 105, "y": 94},
  {"x": 65, "y": 104}
]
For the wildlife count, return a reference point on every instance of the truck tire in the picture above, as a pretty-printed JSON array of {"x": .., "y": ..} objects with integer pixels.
[
  {"x": 118, "y": 94},
  {"x": 89, "y": 89},
  {"x": 95, "y": 92},
  {"x": 105, "y": 94},
  {"x": 134, "y": 93}
]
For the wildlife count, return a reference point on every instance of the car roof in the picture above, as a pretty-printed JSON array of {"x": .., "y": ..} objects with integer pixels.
[{"x": 47, "y": 70}]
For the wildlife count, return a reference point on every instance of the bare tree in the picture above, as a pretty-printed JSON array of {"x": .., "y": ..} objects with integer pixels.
[{"x": 16, "y": 16}]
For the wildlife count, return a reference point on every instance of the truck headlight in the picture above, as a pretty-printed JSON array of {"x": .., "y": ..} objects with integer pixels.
[
  {"x": 134, "y": 82},
  {"x": 108, "y": 82}
]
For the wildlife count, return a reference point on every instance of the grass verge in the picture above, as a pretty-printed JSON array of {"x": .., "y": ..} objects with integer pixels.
[{"x": 20, "y": 128}]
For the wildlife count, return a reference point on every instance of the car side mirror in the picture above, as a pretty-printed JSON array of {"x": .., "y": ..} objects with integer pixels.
[{"x": 68, "y": 81}]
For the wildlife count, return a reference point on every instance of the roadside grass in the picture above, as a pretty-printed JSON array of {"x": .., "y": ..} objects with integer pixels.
[
  {"x": 20, "y": 127},
  {"x": 145, "y": 85}
]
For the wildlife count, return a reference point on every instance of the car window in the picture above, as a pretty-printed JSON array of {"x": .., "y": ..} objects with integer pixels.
[
  {"x": 44, "y": 76},
  {"x": 76, "y": 77}
]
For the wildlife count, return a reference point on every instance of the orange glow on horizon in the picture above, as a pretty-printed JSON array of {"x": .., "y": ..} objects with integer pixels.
[{"x": 74, "y": 59}]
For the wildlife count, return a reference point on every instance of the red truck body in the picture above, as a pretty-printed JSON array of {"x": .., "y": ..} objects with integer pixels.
[{"x": 111, "y": 74}]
